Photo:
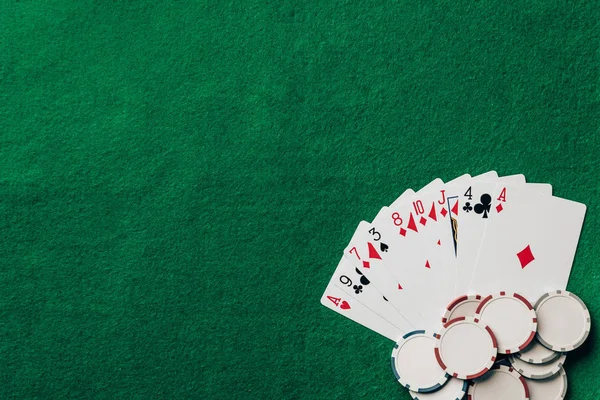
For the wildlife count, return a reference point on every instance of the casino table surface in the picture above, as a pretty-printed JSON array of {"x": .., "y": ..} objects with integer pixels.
[{"x": 178, "y": 180}]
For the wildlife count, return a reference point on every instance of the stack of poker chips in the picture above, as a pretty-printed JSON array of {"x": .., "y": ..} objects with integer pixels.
[{"x": 495, "y": 347}]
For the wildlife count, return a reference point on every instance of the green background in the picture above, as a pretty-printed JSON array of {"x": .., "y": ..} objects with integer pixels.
[{"x": 178, "y": 179}]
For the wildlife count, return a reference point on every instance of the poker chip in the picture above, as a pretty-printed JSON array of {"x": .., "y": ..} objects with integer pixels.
[
  {"x": 463, "y": 306},
  {"x": 536, "y": 353},
  {"x": 465, "y": 348},
  {"x": 564, "y": 321},
  {"x": 500, "y": 383},
  {"x": 414, "y": 363},
  {"x": 512, "y": 319},
  {"x": 453, "y": 389},
  {"x": 554, "y": 388},
  {"x": 538, "y": 371}
]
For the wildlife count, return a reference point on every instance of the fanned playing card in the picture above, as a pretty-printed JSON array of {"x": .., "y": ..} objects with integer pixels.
[{"x": 531, "y": 248}]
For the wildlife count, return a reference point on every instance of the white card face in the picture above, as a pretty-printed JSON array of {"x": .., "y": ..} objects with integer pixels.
[
  {"x": 337, "y": 300},
  {"x": 365, "y": 252},
  {"x": 542, "y": 188},
  {"x": 354, "y": 283},
  {"x": 530, "y": 250},
  {"x": 418, "y": 235},
  {"x": 471, "y": 214},
  {"x": 452, "y": 199}
]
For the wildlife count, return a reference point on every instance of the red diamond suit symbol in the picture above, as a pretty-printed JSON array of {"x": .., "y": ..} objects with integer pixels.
[{"x": 525, "y": 256}]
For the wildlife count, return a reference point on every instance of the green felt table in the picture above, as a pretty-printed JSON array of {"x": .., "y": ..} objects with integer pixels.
[{"x": 178, "y": 179}]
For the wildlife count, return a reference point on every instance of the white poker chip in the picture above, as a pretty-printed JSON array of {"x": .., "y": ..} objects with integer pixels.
[
  {"x": 564, "y": 321},
  {"x": 463, "y": 306},
  {"x": 538, "y": 371},
  {"x": 465, "y": 348},
  {"x": 414, "y": 363},
  {"x": 500, "y": 383},
  {"x": 554, "y": 388},
  {"x": 512, "y": 319},
  {"x": 453, "y": 389},
  {"x": 536, "y": 353}
]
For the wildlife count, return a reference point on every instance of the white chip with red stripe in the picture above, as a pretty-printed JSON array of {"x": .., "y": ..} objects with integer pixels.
[
  {"x": 465, "y": 348},
  {"x": 512, "y": 319},
  {"x": 463, "y": 306}
]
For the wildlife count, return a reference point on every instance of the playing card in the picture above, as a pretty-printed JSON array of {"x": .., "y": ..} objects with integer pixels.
[
  {"x": 365, "y": 251},
  {"x": 529, "y": 250},
  {"x": 354, "y": 283},
  {"x": 452, "y": 201},
  {"x": 337, "y": 300}
]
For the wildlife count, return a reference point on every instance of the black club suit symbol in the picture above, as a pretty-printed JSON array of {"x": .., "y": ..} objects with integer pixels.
[
  {"x": 467, "y": 207},
  {"x": 484, "y": 206}
]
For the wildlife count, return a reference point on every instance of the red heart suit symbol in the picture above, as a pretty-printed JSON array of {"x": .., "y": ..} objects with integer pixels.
[{"x": 345, "y": 305}]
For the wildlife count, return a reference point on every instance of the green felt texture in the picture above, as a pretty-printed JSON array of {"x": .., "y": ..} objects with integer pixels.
[{"x": 178, "y": 179}]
